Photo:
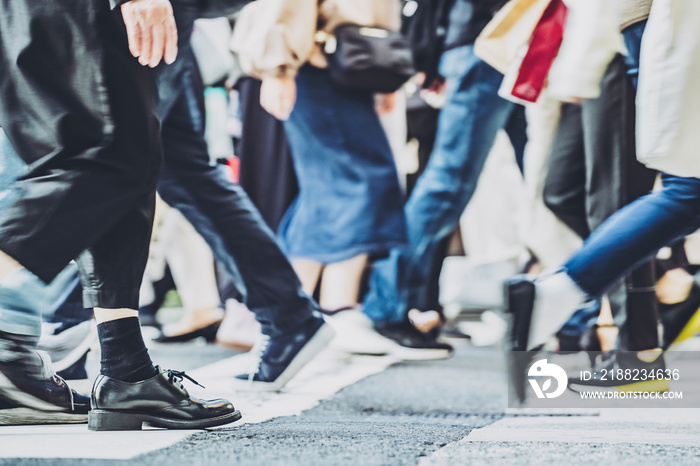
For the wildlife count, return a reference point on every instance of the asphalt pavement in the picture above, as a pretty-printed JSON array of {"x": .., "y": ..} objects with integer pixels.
[{"x": 361, "y": 410}]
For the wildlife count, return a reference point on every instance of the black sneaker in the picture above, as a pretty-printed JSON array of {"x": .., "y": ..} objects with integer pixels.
[
  {"x": 279, "y": 359},
  {"x": 28, "y": 380},
  {"x": 413, "y": 344},
  {"x": 622, "y": 371},
  {"x": 682, "y": 320}
]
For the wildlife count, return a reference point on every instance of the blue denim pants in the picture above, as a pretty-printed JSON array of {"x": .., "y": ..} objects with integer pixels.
[
  {"x": 635, "y": 233},
  {"x": 467, "y": 127}
]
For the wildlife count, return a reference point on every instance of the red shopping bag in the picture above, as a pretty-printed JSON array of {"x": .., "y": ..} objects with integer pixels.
[{"x": 542, "y": 50}]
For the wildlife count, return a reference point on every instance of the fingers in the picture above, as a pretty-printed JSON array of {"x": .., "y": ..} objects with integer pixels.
[
  {"x": 133, "y": 32},
  {"x": 151, "y": 31},
  {"x": 278, "y": 96},
  {"x": 170, "y": 42},
  {"x": 146, "y": 44},
  {"x": 157, "y": 46}
]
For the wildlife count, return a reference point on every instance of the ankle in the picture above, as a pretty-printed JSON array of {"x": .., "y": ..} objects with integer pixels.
[{"x": 124, "y": 353}]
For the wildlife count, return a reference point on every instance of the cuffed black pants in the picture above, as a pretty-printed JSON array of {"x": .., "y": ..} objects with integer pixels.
[{"x": 80, "y": 110}]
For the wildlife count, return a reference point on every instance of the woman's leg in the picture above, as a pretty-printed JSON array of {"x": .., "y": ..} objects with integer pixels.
[
  {"x": 308, "y": 272},
  {"x": 192, "y": 266},
  {"x": 340, "y": 284}
]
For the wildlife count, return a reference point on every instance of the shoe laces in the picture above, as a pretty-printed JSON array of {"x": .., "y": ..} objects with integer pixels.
[
  {"x": 178, "y": 376},
  {"x": 257, "y": 354}
]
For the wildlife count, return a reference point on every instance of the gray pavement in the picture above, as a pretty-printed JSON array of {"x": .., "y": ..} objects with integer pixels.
[{"x": 428, "y": 413}]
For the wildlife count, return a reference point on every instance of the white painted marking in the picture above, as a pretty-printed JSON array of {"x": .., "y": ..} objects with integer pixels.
[
  {"x": 76, "y": 441},
  {"x": 319, "y": 380},
  {"x": 636, "y": 426}
]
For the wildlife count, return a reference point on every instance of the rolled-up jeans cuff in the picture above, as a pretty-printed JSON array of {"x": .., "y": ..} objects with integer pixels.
[{"x": 20, "y": 322}]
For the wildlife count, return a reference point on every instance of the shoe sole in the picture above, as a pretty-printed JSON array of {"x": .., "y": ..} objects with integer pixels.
[
  {"x": 645, "y": 386},
  {"x": 419, "y": 354},
  {"x": 29, "y": 416},
  {"x": 690, "y": 329},
  {"x": 105, "y": 420},
  {"x": 315, "y": 345}
]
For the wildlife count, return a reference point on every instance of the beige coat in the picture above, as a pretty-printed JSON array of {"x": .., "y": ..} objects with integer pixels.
[{"x": 277, "y": 37}]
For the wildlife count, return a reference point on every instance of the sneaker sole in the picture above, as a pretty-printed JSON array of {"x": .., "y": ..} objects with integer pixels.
[
  {"x": 419, "y": 354},
  {"x": 28, "y": 416},
  {"x": 315, "y": 345},
  {"x": 645, "y": 386},
  {"x": 690, "y": 329},
  {"x": 105, "y": 420}
]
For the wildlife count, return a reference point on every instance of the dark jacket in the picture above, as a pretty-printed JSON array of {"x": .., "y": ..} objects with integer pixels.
[
  {"x": 467, "y": 20},
  {"x": 207, "y": 8}
]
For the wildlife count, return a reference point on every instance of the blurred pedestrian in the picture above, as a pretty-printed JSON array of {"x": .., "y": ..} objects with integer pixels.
[{"x": 350, "y": 202}]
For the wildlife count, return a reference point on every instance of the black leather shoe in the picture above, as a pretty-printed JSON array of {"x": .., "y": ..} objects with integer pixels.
[
  {"x": 160, "y": 401},
  {"x": 28, "y": 380}
]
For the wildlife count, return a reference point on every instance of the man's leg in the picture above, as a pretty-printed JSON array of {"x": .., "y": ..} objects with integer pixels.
[
  {"x": 104, "y": 168},
  {"x": 225, "y": 217},
  {"x": 223, "y": 214},
  {"x": 467, "y": 127},
  {"x": 564, "y": 190}
]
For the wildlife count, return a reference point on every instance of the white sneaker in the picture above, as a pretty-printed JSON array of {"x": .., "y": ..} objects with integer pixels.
[{"x": 354, "y": 333}]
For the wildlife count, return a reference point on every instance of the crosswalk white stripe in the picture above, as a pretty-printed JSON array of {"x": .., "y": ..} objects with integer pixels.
[{"x": 320, "y": 379}]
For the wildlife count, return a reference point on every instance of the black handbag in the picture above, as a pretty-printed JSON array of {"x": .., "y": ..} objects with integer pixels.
[{"x": 367, "y": 58}]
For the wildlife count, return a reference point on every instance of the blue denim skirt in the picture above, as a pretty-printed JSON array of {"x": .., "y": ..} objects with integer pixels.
[{"x": 349, "y": 201}]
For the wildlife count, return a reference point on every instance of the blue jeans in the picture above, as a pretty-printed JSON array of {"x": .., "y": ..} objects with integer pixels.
[
  {"x": 467, "y": 127},
  {"x": 23, "y": 297},
  {"x": 635, "y": 233}
]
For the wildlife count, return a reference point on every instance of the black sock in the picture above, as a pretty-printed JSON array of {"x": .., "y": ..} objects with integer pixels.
[{"x": 124, "y": 354}]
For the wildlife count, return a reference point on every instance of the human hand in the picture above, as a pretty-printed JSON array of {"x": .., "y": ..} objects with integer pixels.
[
  {"x": 151, "y": 30},
  {"x": 278, "y": 96}
]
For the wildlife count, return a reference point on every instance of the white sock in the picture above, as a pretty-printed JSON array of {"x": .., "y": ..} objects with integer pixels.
[{"x": 557, "y": 298}]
